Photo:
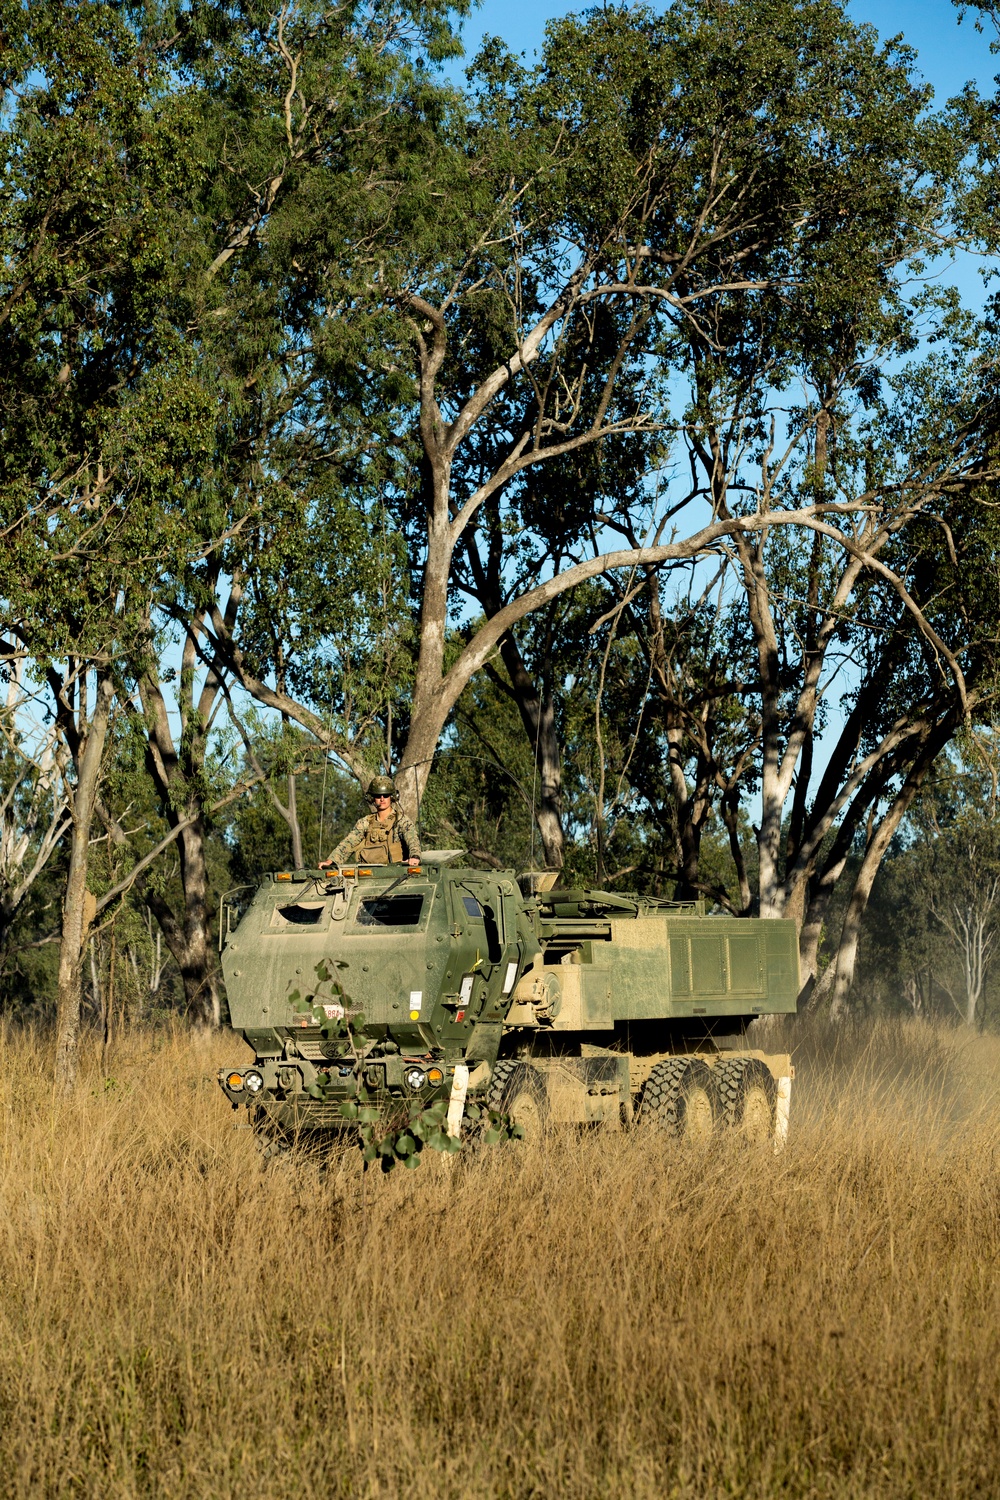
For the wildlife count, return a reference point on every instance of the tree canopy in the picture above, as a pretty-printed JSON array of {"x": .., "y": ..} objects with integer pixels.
[{"x": 593, "y": 446}]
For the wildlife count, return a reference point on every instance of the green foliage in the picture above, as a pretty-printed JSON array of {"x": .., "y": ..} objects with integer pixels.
[
  {"x": 229, "y": 236},
  {"x": 257, "y": 836},
  {"x": 106, "y": 408},
  {"x": 479, "y": 795},
  {"x": 389, "y": 1138}
]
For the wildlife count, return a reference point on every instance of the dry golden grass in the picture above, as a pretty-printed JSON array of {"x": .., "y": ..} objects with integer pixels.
[{"x": 604, "y": 1316}]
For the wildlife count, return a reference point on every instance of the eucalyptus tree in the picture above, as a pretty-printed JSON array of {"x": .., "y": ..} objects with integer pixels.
[
  {"x": 238, "y": 134},
  {"x": 891, "y": 587},
  {"x": 652, "y": 175},
  {"x": 799, "y": 278},
  {"x": 153, "y": 399},
  {"x": 499, "y": 349},
  {"x": 795, "y": 404},
  {"x": 311, "y": 125},
  {"x": 103, "y": 407},
  {"x": 817, "y": 676},
  {"x": 268, "y": 281}
]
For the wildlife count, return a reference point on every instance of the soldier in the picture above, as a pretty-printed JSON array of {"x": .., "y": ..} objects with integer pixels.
[{"x": 385, "y": 836}]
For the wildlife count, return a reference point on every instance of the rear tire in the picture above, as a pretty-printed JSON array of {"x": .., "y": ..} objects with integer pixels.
[
  {"x": 749, "y": 1097},
  {"x": 681, "y": 1097},
  {"x": 518, "y": 1091}
]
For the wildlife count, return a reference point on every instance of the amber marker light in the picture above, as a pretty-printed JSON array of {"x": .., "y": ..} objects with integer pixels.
[
  {"x": 283, "y": 876},
  {"x": 364, "y": 872},
  {"x": 234, "y": 1081},
  {"x": 348, "y": 872},
  {"x": 435, "y": 1075}
]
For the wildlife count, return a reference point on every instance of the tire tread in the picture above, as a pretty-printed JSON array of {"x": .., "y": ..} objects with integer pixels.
[
  {"x": 663, "y": 1094},
  {"x": 735, "y": 1078}
]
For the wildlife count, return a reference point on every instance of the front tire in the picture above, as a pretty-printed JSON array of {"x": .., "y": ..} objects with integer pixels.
[
  {"x": 518, "y": 1091},
  {"x": 272, "y": 1140}
]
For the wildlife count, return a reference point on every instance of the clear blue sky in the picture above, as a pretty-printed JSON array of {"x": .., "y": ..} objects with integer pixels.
[{"x": 949, "y": 54}]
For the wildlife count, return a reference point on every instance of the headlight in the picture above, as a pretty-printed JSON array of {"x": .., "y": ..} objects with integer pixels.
[
  {"x": 253, "y": 1081},
  {"x": 234, "y": 1081},
  {"x": 415, "y": 1078}
]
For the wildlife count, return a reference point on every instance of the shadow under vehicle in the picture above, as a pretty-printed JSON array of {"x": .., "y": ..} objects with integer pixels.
[{"x": 396, "y": 985}]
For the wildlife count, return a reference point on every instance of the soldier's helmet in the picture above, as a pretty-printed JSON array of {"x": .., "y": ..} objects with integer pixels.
[{"x": 382, "y": 786}]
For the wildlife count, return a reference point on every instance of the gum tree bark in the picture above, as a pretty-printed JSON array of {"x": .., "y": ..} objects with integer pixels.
[
  {"x": 33, "y": 810},
  {"x": 78, "y": 903},
  {"x": 835, "y": 984},
  {"x": 177, "y": 770}
]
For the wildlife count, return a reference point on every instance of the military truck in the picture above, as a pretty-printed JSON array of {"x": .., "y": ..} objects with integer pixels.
[{"x": 546, "y": 1003}]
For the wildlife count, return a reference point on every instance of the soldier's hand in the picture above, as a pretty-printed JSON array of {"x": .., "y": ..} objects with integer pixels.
[
  {"x": 413, "y": 862},
  {"x": 326, "y": 864}
]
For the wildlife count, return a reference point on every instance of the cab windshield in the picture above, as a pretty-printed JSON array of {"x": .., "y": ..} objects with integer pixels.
[{"x": 397, "y": 911}]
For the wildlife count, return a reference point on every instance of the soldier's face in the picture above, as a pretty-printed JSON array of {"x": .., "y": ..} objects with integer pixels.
[{"x": 382, "y": 801}]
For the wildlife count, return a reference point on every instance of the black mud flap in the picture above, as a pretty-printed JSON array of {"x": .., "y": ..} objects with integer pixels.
[{"x": 484, "y": 1043}]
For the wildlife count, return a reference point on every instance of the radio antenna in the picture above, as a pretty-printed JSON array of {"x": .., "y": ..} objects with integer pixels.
[{"x": 322, "y": 800}]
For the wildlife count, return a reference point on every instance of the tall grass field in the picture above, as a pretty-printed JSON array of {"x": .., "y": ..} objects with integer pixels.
[{"x": 599, "y": 1314}]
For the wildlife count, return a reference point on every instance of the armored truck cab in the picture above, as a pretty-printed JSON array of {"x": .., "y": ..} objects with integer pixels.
[{"x": 572, "y": 1004}]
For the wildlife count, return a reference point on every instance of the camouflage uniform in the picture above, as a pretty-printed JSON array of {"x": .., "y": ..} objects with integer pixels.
[{"x": 373, "y": 843}]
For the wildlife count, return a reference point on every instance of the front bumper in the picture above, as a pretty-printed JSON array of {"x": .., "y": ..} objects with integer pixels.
[{"x": 296, "y": 1094}]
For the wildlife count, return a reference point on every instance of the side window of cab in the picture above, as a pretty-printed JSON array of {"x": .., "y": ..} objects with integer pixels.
[{"x": 479, "y": 909}]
